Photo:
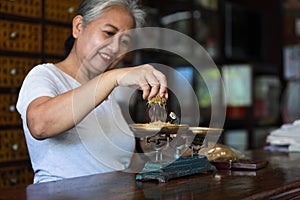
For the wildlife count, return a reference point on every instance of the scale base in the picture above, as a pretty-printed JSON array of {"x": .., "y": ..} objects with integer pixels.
[{"x": 183, "y": 166}]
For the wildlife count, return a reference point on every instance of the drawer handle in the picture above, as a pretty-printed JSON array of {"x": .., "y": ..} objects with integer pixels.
[
  {"x": 13, "y": 71},
  {"x": 15, "y": 147},
  {"x": 71, "y": 10},
  {"x": 12, "y": 108},
  {"x": 13, "y": 35},
  {"x": 14, "y": 180}
]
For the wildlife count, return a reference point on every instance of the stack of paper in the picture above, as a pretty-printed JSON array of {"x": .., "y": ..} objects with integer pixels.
[{"x": 287, "y": 135}]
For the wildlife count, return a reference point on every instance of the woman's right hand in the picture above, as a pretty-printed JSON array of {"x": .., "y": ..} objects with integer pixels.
[{"x": 145, "y": 78}]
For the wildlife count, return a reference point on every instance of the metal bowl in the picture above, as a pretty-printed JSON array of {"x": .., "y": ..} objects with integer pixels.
[
  {"x": 205, "y": 130},
  {"x": 149, "y": 129}
]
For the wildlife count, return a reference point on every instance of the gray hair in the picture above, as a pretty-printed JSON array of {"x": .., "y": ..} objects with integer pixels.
[{"x": 92, "y": 9}]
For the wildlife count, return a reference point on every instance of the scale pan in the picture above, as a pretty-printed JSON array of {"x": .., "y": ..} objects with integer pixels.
[
  {"x": 204, "y": 130},
  {"x": 151, "y": 129}
]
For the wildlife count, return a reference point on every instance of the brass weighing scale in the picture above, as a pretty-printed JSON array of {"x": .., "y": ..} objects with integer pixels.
[{"x": 170, "y": 142}]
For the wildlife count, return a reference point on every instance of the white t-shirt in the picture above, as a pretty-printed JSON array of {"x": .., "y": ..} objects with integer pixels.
[{"x": 101, "y": 142}]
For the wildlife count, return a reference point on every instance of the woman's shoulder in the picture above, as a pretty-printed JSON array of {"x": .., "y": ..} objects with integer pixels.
[{"x": 45, "y": 67}]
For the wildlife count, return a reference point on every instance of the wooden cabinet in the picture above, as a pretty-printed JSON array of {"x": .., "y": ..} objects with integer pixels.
[
  {"x": 13, "y": 70},
  {"x": 13, "y": 146},
  {"x": 20, "y": 37},
  {"x": 57, "y": 34},
  {"x": 60, "y": 11},
  {"x": 31, "y": 32},
  {"x": 24, "y": 8},
  {"x": 20, "y": 45},
  {"x": 16, "y": 175}
]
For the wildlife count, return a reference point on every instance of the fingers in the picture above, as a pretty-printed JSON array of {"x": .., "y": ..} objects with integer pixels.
[
  {"x": 144, "y": 86},
  {"x": 163, "y": 89},
  {"x": 155, "y": 82},
  {"x": 145, "y": 78},
  {"x": 154, "y": 89},
  {"x": 150, "y": 86},
  {"x": 153, "y": 85}
]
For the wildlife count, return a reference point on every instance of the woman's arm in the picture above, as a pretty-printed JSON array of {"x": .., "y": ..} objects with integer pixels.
[{"x": 48, "y": 117}]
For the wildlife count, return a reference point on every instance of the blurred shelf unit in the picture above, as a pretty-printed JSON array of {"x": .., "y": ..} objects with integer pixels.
[
  {"x": 291, "y": 57},
  {"x": 196, "y": 18},
  {"x": 31, "y": 32}
]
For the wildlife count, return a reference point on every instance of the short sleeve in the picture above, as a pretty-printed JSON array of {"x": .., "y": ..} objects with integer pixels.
[{"x": 37, "y": 83}]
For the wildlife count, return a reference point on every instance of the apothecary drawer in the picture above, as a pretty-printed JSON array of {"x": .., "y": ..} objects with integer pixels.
[
  {"x": 55, "y": 37},
  {"x": 52, "y": 60},
  {"x": 20, "y": 36},
  {"x": 9, "y": 114},
  {"x": 61, "y": 11},
  {"x": 14, "y": 69},
  {"x": 12, "y": 146},
  {"x": 21, "y": 175},
  {"x": 25, "y": 8}
]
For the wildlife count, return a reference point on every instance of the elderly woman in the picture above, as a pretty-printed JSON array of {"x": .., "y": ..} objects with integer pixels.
[{"x": 73, "y": 126}]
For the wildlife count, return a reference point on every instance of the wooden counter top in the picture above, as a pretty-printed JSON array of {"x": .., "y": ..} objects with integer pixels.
[{"x": 282, "y": 174}]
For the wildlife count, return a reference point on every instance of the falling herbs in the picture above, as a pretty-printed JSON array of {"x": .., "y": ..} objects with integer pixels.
[{"x": 157, "y": 109}]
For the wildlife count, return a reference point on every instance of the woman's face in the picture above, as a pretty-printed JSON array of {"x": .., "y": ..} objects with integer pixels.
[{"x": 100, "y": 43}]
